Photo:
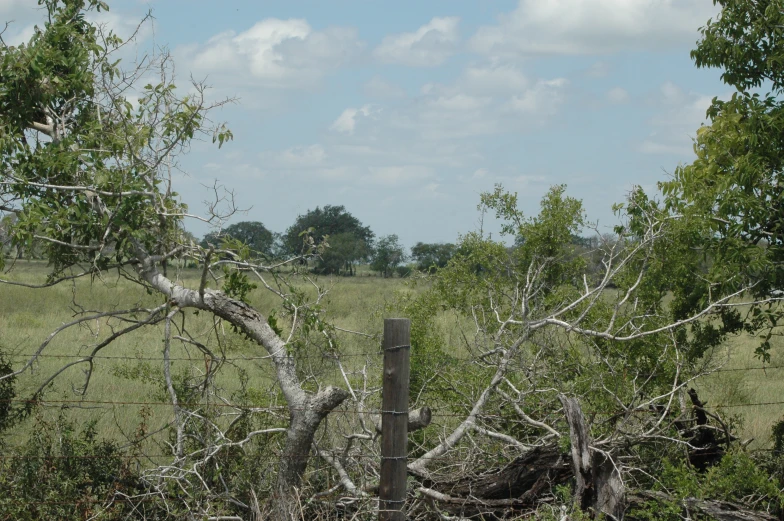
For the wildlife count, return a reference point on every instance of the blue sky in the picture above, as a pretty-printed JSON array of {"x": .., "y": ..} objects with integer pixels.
[{"x": 404, "y": 112}]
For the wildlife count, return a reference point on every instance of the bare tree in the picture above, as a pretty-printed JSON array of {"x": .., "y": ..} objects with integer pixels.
[{"x": 544, "y": 338}]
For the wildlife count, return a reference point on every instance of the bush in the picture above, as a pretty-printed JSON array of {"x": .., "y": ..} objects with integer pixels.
[{"x": 403, "y": 271}]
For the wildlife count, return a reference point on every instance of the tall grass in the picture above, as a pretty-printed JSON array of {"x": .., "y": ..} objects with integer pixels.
[{"x": 28, "y": 317}]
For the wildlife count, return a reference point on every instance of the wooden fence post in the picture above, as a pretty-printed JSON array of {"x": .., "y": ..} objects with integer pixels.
[{"x": 394, "y": 420}]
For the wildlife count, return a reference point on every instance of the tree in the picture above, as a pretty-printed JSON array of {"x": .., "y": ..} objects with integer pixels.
[
  {"x": 253, "y": 234},
  {"x": 540, "y": 340},
  {"x": 431, "y": 256},
  {"x": 6, "y": 222},
  {"x": 344, "y": 252},
  {"x": 87, "y": 174},
  {"x": 387, "y": 255},
  {"x": 734, "y": 190},
  {"x": 354, "y": 245}
]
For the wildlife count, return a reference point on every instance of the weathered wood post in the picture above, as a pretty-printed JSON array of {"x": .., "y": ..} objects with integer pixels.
[{"x": 394, "y": 420}]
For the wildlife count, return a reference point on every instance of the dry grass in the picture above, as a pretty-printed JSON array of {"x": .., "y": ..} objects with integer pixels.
[
  {"x": 27, "y": 317},
  {"x": 742, "y": 382}
]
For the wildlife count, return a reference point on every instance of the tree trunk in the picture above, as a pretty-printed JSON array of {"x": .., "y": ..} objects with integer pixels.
[
  {"x": 714, "y": 509},
  {"x": 305, "y": 419},
  {"x": 306, "y": 411},
  {"x": 598, "y": 487}
]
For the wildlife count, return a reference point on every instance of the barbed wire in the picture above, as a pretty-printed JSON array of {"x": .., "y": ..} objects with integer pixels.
[
  {"x": 192, "y": 358},
  {"x": 195, "y": 456},
  {"x": 271, "y": 408},
  {"x": 259, "y": 408},
  {"x": 322, "y": 356}
]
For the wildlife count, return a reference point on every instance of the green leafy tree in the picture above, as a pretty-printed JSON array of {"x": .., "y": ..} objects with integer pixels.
[
  {"x": 251, "y": 233},
  {"x": 431, "y": 256},
  {"x": 532, "y": 327},
  {"x": 354, "y": 244},
  {"x": 86, "y": 174},
  {"x": 6, "y": 222},
  {"x": 733, "y": 192},
  {"x": 387, "y": 255},
  {"x": 344, "y": 252}
]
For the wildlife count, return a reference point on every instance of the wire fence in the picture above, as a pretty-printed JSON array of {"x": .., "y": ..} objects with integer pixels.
[
  {"x": 9, "y": 453},
  {"x": 320, "y": 356}
]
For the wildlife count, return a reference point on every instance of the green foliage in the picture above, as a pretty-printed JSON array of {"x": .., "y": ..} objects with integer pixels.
[
  {"x": 7, "y": 392},
  {"x": 737, "y": 478},
  {"x": 252, "y": 234},
  {"x": 430, "y": 257},
  {"x": 76, "y": 157},
  {"x": 236, "y": 284},
  {"x": 343, "y": 252},
  {"x": 731, "y": 195},
  {"x": 387, "y": 254},
  {"x": 349, "y": 240},
  {"x": 404, "y": 271},
  {"x": 64, "y": 474}
]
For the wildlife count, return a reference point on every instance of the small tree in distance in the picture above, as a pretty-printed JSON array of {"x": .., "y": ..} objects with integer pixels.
[
  {"x": 251, "y": 233},
  {"x": 352, "y": 240},
  {"x": 431, "y": 256},
  {"x": 387, "y": 255}
]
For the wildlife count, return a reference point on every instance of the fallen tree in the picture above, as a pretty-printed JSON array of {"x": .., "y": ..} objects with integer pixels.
[{"x": 556, "y": 375}]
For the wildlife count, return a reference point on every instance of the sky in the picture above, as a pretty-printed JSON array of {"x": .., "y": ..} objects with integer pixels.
[{"x": 405, "y": 112}]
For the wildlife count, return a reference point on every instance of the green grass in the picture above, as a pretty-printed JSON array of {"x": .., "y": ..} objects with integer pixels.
[
  {"x": 28, "y": 317},
  {"x": 741, "y": 381}
]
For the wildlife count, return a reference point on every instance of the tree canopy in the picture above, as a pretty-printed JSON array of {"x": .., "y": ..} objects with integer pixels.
[
  {"x": 431, "y": 256},
  {"x": 352, "y": 240},
  {"x": 251, "y": 233},
  {"x": 388, "y": 253},
  {"x": 732, "y": 194}
]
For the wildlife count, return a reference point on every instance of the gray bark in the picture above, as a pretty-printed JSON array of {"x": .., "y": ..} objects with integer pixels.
[
  {"x": 306, "y": 410},
  {"x": 719, "y": 510},
  {"x": 598, "y": 486}
]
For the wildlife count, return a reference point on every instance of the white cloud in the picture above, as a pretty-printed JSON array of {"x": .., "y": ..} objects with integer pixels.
[
  {"x": 430, "y": 191},
  {"x": 460, "y": 102},
  {"x": 493, "y": 79},
  {"x": 598, "y": 69},
  {"x": 617, "y": 96},
  {"x": 592, "y": 27},
  {"x": 671, "y": 94},
  {"x": 397, "y": 175},
  {"x": 347, "y": 121},
  {"x": 378, "y": 87},
  {"x": 486, "y": 99},
  {"x": 653, "y": 146},
  {"x": 273, "y": 53},
  {"x": 544, "y": 98},
  {"x": 295, "y": 157},
  {"x": 430, "y": 45},
  {"x": 675, "y": 123}
]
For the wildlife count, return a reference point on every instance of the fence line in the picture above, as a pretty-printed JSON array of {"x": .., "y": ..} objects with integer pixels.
[
  {"x": 325, "y": 356},
  {"x": 286, "y": 408}
]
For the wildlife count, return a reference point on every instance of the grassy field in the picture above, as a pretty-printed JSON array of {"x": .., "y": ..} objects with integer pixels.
[{"x": 132, "y": 369}]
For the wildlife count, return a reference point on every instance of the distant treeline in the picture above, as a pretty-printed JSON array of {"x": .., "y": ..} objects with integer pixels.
[{"x": 350, "y": 244}]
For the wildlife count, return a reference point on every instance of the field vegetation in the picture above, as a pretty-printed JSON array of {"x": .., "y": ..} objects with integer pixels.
[{"x": 555, "y": 374}]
